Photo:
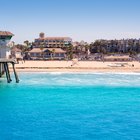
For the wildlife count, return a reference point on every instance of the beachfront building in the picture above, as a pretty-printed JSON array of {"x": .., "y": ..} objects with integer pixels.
[
  {"x": 47, "y": 54},
  {"x": 16, "y": 53},
  {"x": 5, "y": 44},
  {"x": 116, "y": 46},
  {"x": 52, "y": 42}
]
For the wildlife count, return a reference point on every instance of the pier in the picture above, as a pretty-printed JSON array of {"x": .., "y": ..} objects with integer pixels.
[{"x": 4, "y": 69}]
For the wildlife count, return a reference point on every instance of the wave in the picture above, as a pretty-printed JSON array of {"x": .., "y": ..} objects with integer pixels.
[
  {"x": 79, "y": 79},
  {"x": 98, "y": 73}
]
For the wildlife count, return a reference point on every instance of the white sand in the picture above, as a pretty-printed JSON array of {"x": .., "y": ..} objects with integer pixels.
[{"x": 81, "y": 66}]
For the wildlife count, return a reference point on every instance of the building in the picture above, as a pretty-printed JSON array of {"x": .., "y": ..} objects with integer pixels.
[
  {"x": 16, "y": 53},
  {"x": 116, "y": 46},
  {"x": 5, "y": 44},
  {"x": 5, "y": 53},
  {"x": 47, "y": 53},
  {"x": 52, "y": 42}
]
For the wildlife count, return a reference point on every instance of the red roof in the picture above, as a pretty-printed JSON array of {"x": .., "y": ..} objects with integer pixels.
[
  {"x": 54, "y": 38},
  {"x": 6, "y": 33},
  {"x": 38, "y": 50}
]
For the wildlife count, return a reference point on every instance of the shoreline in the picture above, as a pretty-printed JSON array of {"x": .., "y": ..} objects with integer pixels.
[
  {"x": 81, "y": 66},
  {"x": 78, "y": 71}
]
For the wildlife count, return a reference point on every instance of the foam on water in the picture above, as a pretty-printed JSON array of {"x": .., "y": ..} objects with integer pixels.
[{"x": 81, "y": 79}]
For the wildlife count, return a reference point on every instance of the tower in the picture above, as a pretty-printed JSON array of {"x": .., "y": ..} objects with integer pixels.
[
  {"x": 42, "y": 35},
  {"x": 5, "y": 38}
]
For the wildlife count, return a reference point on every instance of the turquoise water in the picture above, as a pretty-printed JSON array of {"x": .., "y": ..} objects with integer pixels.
[{"x": 62, "y": 106}]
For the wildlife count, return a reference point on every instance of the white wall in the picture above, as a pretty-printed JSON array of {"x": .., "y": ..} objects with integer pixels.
[{"x": 4, "y": 49}]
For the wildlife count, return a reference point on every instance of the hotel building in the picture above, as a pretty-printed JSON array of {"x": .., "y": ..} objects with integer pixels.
[{"x": 52, "y": 42}]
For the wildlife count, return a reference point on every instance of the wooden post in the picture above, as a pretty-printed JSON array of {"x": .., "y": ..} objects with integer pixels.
[
  {"x": 16, "y": 76},
  {"x": 4, "y": 68},
  {"x": 6, "y": 71},
  {"x": 0, "y": 69}
]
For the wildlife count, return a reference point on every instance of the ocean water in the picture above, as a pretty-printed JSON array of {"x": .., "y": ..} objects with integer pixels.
[{"x": 68, "y": 106}]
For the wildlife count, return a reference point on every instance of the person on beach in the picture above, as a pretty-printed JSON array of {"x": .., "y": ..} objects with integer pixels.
[{"x": 132, "y": 65}]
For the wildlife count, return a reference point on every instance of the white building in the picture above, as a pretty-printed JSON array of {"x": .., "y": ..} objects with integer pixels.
[
  {"x": 5, "y": 44},
  {"x": 52, "y": 42}
]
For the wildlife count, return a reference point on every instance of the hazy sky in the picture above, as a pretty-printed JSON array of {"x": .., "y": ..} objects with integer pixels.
[{"x": 79, "y": 19}]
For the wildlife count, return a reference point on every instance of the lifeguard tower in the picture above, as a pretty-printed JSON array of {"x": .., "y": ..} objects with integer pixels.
[{"x": 5, "y": 53}]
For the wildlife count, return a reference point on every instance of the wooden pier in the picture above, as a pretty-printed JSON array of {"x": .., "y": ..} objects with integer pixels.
[{"x": 4, "y": 68}]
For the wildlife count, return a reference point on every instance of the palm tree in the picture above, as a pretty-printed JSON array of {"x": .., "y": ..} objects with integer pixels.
[
  {"x": 27, "y": 43},
  {"x": 97, "y": 46},
  {"x": 70, "y": 53},
  {"x": 27, "y": 46},
  {"x": 103, "y": 52},
  {"x": 87, "y": 50},
  {"x": 41, "y": 48},
  {"x": 52, "y": 53}
]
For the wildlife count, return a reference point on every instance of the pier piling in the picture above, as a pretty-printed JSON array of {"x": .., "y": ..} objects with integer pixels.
[
  {"x": 4, "y": 68},
  {"x": 16, "y": 76},
  {"x": 0, "y": 70},
  {"x": 6, "y": 71}
]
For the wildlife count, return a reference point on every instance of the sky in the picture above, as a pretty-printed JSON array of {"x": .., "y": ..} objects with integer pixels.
[{"x": 86, "y": 20}]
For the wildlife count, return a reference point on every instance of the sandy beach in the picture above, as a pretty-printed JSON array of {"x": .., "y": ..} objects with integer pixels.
[{"x": 80, "y": 66}]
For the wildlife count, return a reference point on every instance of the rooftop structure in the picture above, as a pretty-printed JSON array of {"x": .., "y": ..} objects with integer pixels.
[
  {"x": 5, "y": 38},
  {"x": 6, "y": 33}
]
